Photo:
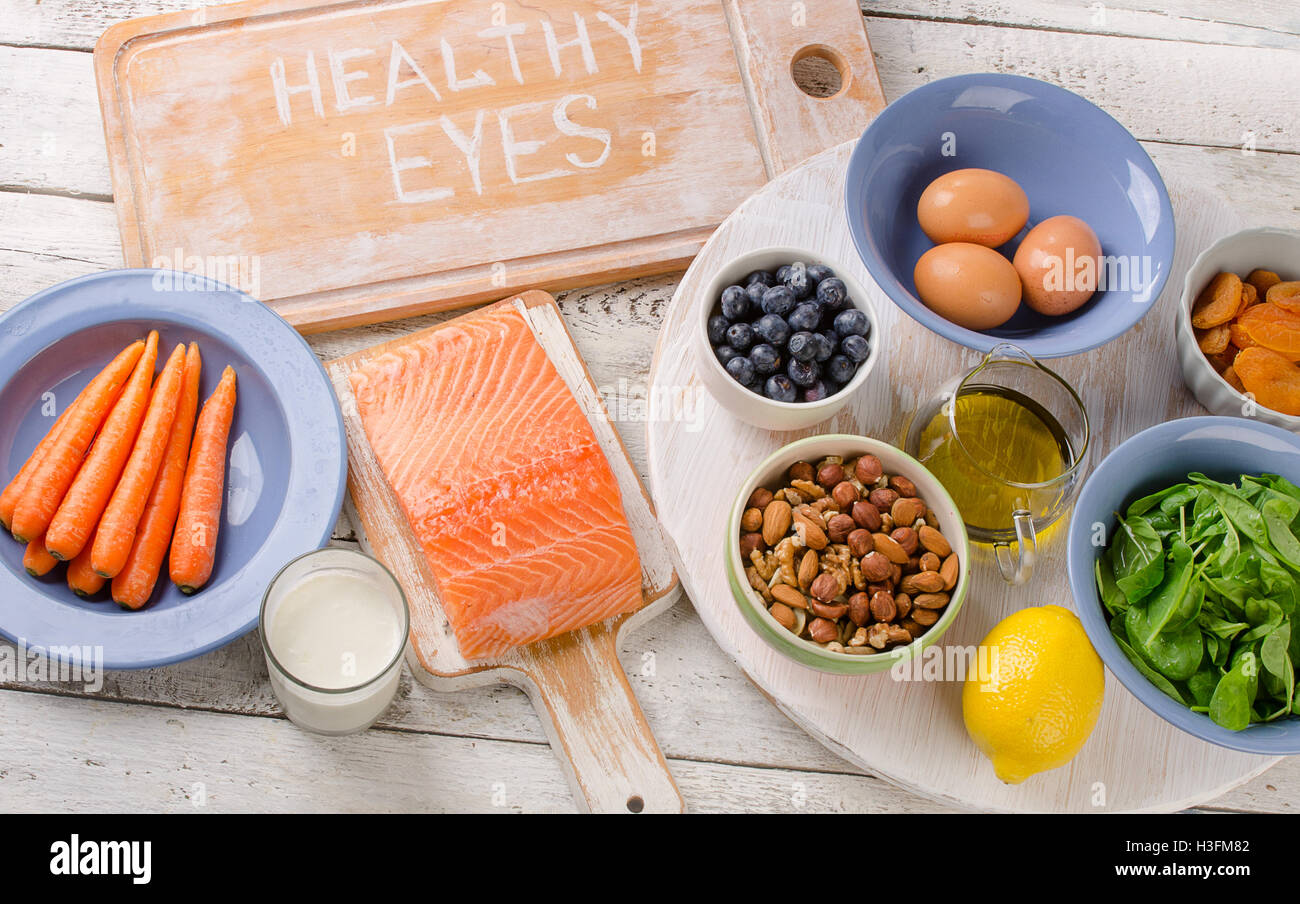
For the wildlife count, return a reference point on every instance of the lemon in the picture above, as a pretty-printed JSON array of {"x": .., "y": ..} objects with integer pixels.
[{"x": 1039, "y": 697}]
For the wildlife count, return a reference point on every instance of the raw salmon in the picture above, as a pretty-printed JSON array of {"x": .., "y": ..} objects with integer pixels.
[{"x": 503, "y": 481}]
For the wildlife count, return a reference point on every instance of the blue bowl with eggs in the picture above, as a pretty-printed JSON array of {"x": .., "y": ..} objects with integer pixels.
[
  {"x": 1221, "y": 447},
  {"x": 1069, "y": 156}
]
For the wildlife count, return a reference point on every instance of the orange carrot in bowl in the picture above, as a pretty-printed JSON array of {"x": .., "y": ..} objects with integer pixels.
[
  {"x": 81, "y": 577},
  {"x": 12, "y": 493},
  {"x": 49, "y": 482},
  {"x": 79, "y": 512},
  {"x": 194, "y": 543},
  {"x": 135, "y": 582},
  {"x": 117, "y": 527},
  {"x": 37, "y": 560}
]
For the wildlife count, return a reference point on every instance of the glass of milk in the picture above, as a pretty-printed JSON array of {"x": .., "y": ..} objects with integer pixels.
[{"x": 334, "y": 625}]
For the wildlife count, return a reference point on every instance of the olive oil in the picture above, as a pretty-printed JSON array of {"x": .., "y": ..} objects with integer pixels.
[{"x": 994, "y": 456}]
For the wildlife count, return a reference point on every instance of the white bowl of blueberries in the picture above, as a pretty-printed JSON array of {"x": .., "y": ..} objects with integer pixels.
[{"x": 785, "y": 337}]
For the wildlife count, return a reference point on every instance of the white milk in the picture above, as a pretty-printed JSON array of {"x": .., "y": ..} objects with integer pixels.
[{"x": 333, "y": 624}]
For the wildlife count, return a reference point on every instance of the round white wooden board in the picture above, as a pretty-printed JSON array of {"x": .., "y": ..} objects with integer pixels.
[{"x": 911, "y": 732}]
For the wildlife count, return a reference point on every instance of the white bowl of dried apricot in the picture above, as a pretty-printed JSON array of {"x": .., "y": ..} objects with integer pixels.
[{"x": 1238, "y": 327}]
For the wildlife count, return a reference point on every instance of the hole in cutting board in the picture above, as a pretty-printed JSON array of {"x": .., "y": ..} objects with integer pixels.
[
  {"x": 819, "y": 71},
  {"x": 635, "y": 804}
]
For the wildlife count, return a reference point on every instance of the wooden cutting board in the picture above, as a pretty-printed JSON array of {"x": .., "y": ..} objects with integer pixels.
[
  {"x": 575, "y": 680},
  {"x": 362, "y": 161}
]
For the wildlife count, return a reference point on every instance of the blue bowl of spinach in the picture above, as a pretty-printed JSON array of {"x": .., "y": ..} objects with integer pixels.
[{"x": 1184, "y": 561}]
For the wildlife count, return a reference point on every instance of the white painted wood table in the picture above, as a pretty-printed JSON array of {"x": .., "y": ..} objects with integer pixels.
[{"x": 1207, "y": 86}]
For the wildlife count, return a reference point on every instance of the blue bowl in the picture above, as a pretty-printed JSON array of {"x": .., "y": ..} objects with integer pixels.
[
  {"x": 1223, "y": 448},
  {"x": 286, "y": 465},
  {"x": 1068, "y": 155}
]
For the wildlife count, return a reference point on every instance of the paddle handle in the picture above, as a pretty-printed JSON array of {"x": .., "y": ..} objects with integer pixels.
[{"x": 596, "y": 726}]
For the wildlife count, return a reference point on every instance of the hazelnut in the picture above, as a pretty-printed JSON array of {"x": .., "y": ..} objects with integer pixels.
[
  {"x": 823, "y": 630},
  {"x": 875, "y": 567},
  {"x": 825, "y": 587},
  {"x": 860, "y": 609},
  {"x": 903, "y": 603},
  {"x": 868, "y": 470},
  {"x": 839, "y": 527},
  {"x": 759, "y": 498},
  {"x": 883, "y": 498},
  {"x": 866, "y": 515},
  {"x": 906, "y": 538},
  {"x": 929, "y": 562},
  {"x": 844, "y": 494},
  {"x": 903, "y": 487},
  {"x": 751, "y": 521},
  {"x": 882, "y": 607},
  {"x": 750, "y": 542},
  {"x": 800, "y": 470},
  {"x": 875, "y": 587},
  {"x": 829, "y": 474},
  {"x": 860, "y": 543}
]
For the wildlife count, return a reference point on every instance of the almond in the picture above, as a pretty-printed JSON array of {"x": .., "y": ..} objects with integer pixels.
[
  {"x": 808, "y": 567},
  {"x": 783, "y": 614},
  {"x": 924, "y": 617},
  {"x": 907, "y": 510},
  {"x": 934, "y": 541},
  {"x": 790, "y": 596},
  {"x": 929, "y": 601},
  {"x": 776, "y": 521},
  {"x": 809, "y": 533},
  {"x": 950, "y": 570},
  {"x": 922, "y": 582},
  {"x": 889, "y": 548}
]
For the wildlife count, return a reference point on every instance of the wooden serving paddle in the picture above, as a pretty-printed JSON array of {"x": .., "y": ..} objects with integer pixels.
[{"x": 575, "y": 681}]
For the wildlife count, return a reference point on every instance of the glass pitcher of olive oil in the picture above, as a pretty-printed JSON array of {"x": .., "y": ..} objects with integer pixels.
[{"x": 1006, "y": 440}]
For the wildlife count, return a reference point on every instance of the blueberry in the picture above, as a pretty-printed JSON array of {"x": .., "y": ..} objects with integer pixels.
[
  {"x": 740, "y": 336},
  {"x": 778, "y": 300},
  {"x": 805, "y": 317},
  {"x": 725, "y": 353},
  {"x": 803, "y": 373},
  {"x": 782, "y": 274},
  {"x": 819, "y": 272},
  {"x": 832, "y": 293},
  {"x": 765, "y": 359},
  {"x": 802, "y": 346},
  {"x": 856, "y": 348},
  {"x": 797, "y": 280},
  {"x": 817, "y": 392},
  {"x": 841, "y": 369},
  {"x": 831, "y": 386},
  {"x": 741, "y": 370},
  {"x": 852, "y": 323},
  {"x": 735, "y": 303},
  {"x": 822, "y": 347},
  {"x": 754, "y": 292},
  {"x": 717, "y": 329},
  {"x": 779, "y": 388},
  {"x": 772, "y": 329},
  {"x": 761, "y": 276}
]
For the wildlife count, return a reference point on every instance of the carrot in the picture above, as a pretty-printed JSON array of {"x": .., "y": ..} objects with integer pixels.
[
  {"x": 12, "y": 493},
  {"x": 79, "y": 512},
  {"x": 194, "y": 544},
  {"x": 81, "y": 577},
  {"x": 49, "y": 482},
  {"x": 135, "y": 582},
  {"x": 36, "y": 560},
  {"x": 117, "y": 528}
]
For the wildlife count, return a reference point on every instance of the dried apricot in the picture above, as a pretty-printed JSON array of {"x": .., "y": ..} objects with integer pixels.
[
  {"x": 1263, "y": 280},
  {"x": 1286, "y": 295},
  {"x": 1218, "y": 302},
  {"x": 1223, "y": 360},
  {"x": 1214, "y": 340},
  {"x": 1273, "y": 327},
  {"x": 1249, "y": 296},
  {"x": 1270, "y": 378},
  {"x": 1230, "y": 377},
  {"x": 1238, "y": 336}
]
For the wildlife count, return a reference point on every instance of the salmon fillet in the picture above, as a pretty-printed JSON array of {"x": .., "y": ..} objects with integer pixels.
[{"x": 503, "y": 482}]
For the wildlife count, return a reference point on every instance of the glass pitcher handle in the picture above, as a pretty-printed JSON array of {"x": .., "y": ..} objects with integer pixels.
[{"x": 1018, "y": 567}]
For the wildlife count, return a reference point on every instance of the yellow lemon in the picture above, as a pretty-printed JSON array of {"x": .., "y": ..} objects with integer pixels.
[{"x": 1039, "y": 697}]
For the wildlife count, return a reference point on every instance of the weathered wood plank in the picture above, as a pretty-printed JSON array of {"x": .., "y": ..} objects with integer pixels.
[{"x": 1209, "y": 94}]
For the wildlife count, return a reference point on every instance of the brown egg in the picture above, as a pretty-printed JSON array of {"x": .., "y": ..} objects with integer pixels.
[
  {"x": 1058, "y": 264},
  {"x": 971, "y": 285},
  {"x": 973, "y": 205}
]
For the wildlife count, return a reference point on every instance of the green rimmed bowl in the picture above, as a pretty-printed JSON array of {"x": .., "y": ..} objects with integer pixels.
[{"x": 896, "y": 462}]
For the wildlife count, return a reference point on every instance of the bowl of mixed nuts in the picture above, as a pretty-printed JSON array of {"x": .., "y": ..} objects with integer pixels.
[{"x": 846, "y": 554}]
